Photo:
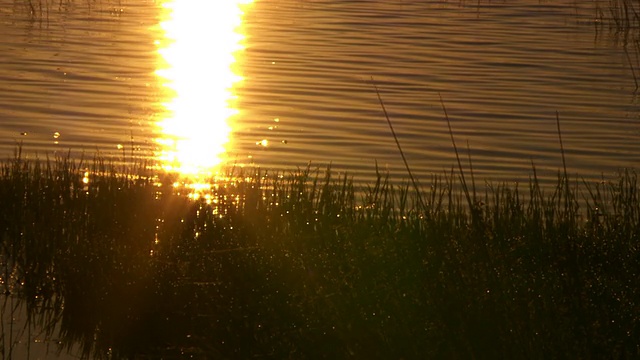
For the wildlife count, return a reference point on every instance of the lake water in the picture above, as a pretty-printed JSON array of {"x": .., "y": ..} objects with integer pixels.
[
  {"x": 164, "y": 78},
  {"x": 283, "y": 83}
]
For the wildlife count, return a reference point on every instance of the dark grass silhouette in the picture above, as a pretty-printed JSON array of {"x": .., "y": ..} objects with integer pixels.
[{"x": 305, "y": 265}]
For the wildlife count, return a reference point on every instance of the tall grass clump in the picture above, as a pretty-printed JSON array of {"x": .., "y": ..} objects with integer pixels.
[{"x": 308, "y": 265}]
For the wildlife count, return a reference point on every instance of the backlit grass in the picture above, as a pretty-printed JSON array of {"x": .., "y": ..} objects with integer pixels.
[{"x": 305, "y": 265}]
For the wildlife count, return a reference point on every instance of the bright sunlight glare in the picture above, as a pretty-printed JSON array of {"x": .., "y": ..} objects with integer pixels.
[{"x": 201, "y": 39}]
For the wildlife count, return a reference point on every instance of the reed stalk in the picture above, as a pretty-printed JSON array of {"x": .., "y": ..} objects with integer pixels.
[{"x": 404, "y": 159}]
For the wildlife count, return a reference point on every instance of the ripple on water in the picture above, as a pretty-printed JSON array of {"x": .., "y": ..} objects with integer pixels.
[{"x": 503, "y": 70}]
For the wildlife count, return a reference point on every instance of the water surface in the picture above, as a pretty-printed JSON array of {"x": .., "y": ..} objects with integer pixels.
[{"x": 85, "y": 77}]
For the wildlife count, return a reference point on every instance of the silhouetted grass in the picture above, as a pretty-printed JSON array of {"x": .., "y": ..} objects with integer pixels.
[
  {"x": 305, "y": 265},
  {"x": 621, "y": 15}
]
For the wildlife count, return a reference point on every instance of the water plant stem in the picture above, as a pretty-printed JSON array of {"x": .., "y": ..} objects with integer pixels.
[
  {"x": 564, "y": 161},
  {"x": 395, "y": 137},
  {"x": 455, "y": 149}
]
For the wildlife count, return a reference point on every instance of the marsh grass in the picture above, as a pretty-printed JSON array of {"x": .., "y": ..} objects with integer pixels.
[
  {"x": 307, "y": 265},
  {"x": 621, "y": 15}
]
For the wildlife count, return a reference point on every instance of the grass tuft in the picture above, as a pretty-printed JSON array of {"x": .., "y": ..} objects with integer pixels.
[{"x": 308, "y": 265}]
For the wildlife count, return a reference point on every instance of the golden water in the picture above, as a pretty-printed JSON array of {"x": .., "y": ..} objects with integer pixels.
[
  {"x": 193, "y": 85},
  {"x": 281, "y": 83}
]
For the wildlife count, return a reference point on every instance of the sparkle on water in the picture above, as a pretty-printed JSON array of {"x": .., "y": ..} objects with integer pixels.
[{"x": 197, "y": 56}]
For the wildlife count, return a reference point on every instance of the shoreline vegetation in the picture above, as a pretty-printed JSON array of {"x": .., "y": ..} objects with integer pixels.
[{"x": 304, "y": 265}]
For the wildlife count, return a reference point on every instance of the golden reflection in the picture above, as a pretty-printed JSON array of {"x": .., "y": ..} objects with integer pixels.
[{"x": 201, "y": 39}]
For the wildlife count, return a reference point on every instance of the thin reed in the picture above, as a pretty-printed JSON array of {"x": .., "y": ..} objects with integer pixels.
[
  {"x": 621, "y": 15},
  {"x": 307, "y": 265}
]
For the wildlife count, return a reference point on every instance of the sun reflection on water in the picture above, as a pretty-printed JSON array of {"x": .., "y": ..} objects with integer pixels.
[{"x": 197, "y": 57}]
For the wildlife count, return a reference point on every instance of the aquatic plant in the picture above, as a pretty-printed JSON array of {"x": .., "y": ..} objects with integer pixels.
[
  {"x": 621, "y": 15},
  {"x": 306, "y": 265}
]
